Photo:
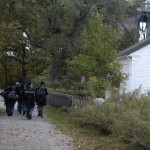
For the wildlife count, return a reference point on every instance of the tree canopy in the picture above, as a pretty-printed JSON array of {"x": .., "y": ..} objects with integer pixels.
[
  {"x": 98, "y": 58},
  {"x": 41, "y": 39}
]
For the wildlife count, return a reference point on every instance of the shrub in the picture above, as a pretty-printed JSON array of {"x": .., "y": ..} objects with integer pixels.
[
  {"x": 92, "y": 116},
  {"x": 126, "y": 116},
  {"x": 133, "y": 126}
]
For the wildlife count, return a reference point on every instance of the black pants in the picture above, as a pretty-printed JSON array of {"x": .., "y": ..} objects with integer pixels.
[{"x": 10, "y": 106}]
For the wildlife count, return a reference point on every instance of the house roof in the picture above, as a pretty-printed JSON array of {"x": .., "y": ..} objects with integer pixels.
[{"x": 134, "y": 48}]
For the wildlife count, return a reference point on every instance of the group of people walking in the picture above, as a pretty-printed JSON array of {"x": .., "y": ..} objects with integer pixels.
[{"x": 27, "y": 97}]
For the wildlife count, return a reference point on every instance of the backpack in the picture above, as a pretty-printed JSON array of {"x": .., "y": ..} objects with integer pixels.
[
  {"x": 3, "y": 94},
  {"x": 12, "y": 95},
  {"x": 29, "y": 93},
  {"x": 41, "y": 92}
]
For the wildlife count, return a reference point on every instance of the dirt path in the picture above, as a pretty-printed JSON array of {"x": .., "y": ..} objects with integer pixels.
[{"x": 19, "y": 133}]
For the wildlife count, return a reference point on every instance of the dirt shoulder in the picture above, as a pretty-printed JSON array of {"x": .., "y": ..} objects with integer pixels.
[{"x": 19, "y": 133}]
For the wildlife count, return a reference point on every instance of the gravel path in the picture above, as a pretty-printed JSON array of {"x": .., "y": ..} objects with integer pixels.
[{"x": 19, "y": 133}]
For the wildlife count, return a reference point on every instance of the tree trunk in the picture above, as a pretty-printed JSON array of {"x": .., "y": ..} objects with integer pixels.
[
  {"x": 23, "y": 73},
  {"x": 6, "y": 80},
  {"x": 23, "y": 64},
  {"x": 55, "y": 72}
]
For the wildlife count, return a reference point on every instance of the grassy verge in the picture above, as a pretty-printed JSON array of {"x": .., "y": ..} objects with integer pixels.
[
  {"x": 2, "y": 112},
  {"x": 84, "y": 138}
]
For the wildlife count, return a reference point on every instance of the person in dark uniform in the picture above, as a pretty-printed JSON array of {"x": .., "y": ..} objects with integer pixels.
[
  {"x": 19, "y": 90},
  {"x": 41, "y": 93},
  {"x": 10, "y": 99},
  {"x": 29, "y": 99}
]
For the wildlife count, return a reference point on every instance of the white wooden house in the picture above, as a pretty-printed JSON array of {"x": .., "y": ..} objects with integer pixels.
[{"x": 136, "y": 64}]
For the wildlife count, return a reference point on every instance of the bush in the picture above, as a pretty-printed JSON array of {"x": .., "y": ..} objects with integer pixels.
[
  {"x": 65, "y": 109},
  {"x": 133, "y": 131},
  {"x": 126, "y": 116},
  {"x": 133, "y": 126},
  {"x": 91, "y": 116}
]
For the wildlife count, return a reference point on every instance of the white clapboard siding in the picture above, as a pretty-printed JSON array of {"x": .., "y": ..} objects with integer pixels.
[
  {"x": 140, "y": 69},
  {"x": 125, "y": 86}
]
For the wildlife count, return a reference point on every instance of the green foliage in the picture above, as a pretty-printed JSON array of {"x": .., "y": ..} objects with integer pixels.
[
  {"x": 58, "y": 116},
  {"x": 97, "y": 87},
  {"x": 90, "y": 117},
  {"x": 59, "y": 28},
  {"x": 2, "y": 112},
  {"x": 43, "y": 76},
  {"x": 83, "y": 138},
  {"x": 133, "y": 130},
  {"x": 126, "y": 116},
  {"x": 128, "y": 39},
  {"x": 16, "y": 18},
  {"x": 98, "y": 59},
  {"x": 132, "y": 126}
]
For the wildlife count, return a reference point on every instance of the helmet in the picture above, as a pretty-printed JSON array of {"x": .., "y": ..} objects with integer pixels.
[{"x": 42, "y": 83}]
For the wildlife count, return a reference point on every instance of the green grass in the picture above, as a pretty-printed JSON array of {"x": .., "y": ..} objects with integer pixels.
[
  {"x": 2, "y": 112},
  {"x": 84, "y": 138}
]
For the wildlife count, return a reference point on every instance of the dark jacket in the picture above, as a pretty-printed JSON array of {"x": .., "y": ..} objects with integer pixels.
[
  {"x": 19, "y": 90},
  {"x": 29, "y": 96},
  {"x": 41, "y": 98},
  {"x": 7, "y": 91}
]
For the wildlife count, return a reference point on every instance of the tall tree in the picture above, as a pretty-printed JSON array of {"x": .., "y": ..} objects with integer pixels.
[
  {"x": 98, "y": 60},
  {"x": 53, "y": 28},
  {"x": 19, "y": 30}
]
